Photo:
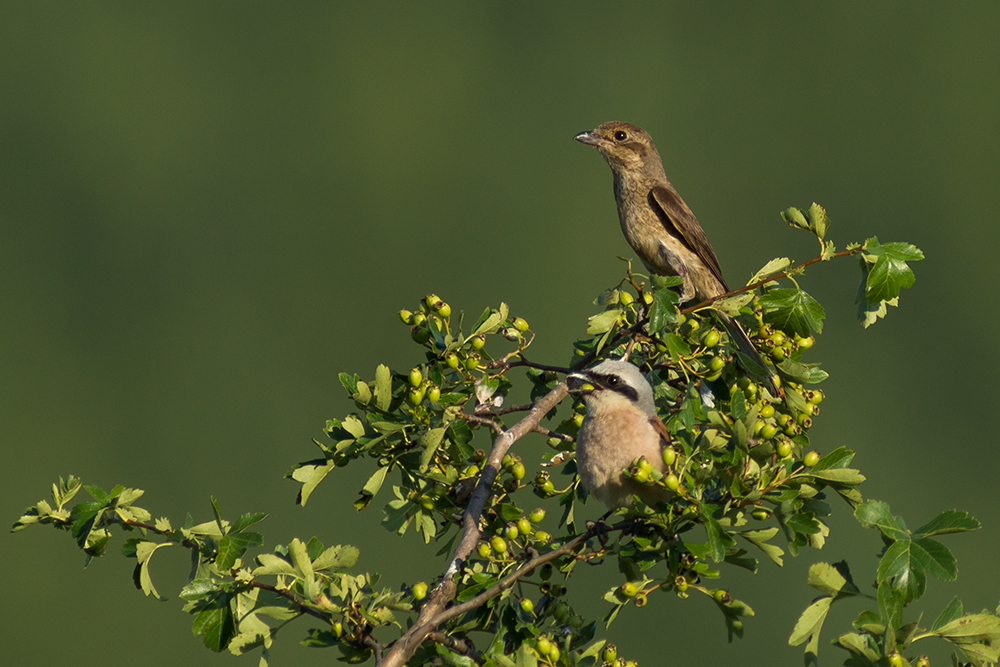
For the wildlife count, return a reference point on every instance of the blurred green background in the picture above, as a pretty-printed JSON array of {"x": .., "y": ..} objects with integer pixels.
[{"x": 208, "y": 210}]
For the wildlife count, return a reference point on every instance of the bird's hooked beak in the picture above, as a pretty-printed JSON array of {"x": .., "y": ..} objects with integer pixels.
[
  {"x": 579, "y": 383},
  {"x": 590, "y": 139}
]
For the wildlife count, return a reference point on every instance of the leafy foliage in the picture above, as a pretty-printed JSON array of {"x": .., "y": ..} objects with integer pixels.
[{"x": 741, "y": 480}]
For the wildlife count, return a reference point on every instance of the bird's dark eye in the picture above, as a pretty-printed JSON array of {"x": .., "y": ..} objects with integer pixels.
[
  {"x": 613, "y": 379},
  {"x": 620, "y": 135}
]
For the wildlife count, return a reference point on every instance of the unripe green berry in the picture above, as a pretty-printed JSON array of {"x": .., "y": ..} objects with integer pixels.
[
  {"x": 536, "y": 515},
  {"x": 626, "y": 298},
  {"x": 405, "y": 316},
  {"x": 554, "y": 653},
  {"x": 806, "y": 343},
  {"x": 716, "y": 364},
  {"x": 484, "y": 549},
  {"x": 434, "y": 393},
  {"x": 498, "y": 544},
  {"x": 721, "y": 596},
  {"x": 472, "y": 362},
  {"x": 768, "y": 431},
  {"x": 520, "y": 324},
  {"x": 895, "y": 659},
  {"x": 426, "y": 503},
  {"x": 778, "y": 354},
  {"x": 511, "y": 334},
  {"x": 443, "y": 309},
  {"x": 647, "y": 297},
  {"x": 527, "y": 605},
  {"x": 543, "y": 645},
  {"x": 418, "y": 318},
  {"x": 517, "y": 471},
  {"x": 710, "y": 338},
  {"x": 524, "y": 526},
  {"x": 643, "y": 464},
  {"x": 610, "y": 653},
  {"x": 640, "y": 475},
  {"x": 680, "y": 584},
  {"x": 640, "y": 600},
  {"x": 420, "y": 335},
  {"x": 541, "y": 536},
  {"x": 577, "y": 419},
  {"x": 419, "y": 590},
  {"x": 337, "y": 628},
  {"x": 416, "y": 377},
  {"x": 416, "y": 395},
  {"x": 628, "y": 589},
  {"x": 811, "y": 459},
  {"x": 478, "y": 342},
  {"x": 784, "y": 449},
  {"x": 452, "y": 360},
  {"x": 430, "y": 300},
  {"x": 669, "y": 455},
  {"x": 511, "y": 532},
  {"x": 692, "y": 325},
  {"x": 672, "y": 482},
  {"x": 766, "y": 412},
  {"x": 760, "y": 514}
]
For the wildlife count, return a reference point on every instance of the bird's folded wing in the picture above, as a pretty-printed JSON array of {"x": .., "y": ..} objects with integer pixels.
[{"x": 681, "y": 223}]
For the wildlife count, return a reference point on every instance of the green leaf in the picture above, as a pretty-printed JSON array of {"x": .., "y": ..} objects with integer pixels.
[
  {"x": 890, "y": 605},
  {"x": 976, "y": 635},
  {"x": 350, "y": 382},
  {"x": 795, "y": 218},
  {"x": 819, "y": 222},
  {"x": 233, "y": 546},
  {"x": 738, "y": 405},
  {"x": 663, "y": 310},
  {"x": 950, "y": 521},
  {"x": 247, "y": 520},
  {"x": 336, "y": 559},
  {"x": 889, "y": 271},
  {"x": 716, "y": 541},
  {"x": 808, "y": 627},
  {"x": 759, "y": 539},
  {"x": 429, "y": 443},
  {"x": 383, "y": 387},
  {"x": 793, "y": 311},
  {"x": 371, "y": 488},
  {"x": 215, "y": 623},
  {"x": 833, "y": 580},
  {"x": 144, "y": 552},
  {"x": 776, "y": 265},
  {"x": 953, "y": 611},
  {"x": 310, "y": 475},
  {"x": 603, "y": 322}
]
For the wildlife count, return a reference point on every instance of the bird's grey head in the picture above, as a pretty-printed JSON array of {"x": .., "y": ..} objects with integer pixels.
[
  {"x": 610, "y": 383},
  {"x": 625, "y": 147}
]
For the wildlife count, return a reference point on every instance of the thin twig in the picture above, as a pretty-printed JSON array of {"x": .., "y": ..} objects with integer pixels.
[{"x": 429, "y": 618}]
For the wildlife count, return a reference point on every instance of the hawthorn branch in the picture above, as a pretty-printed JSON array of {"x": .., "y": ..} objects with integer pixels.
[
  {"x": 776, "y": 276},
  {"x": 434, "y": 612}
]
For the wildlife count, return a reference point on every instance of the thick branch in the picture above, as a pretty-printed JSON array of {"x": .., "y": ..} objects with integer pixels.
[{"x": 433, "y": 612}]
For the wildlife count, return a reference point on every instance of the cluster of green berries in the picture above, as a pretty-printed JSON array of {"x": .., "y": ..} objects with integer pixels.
[
  {"x": 775, "y": 419},
  {"x": 517, "y": 533},
  {"x": 433, "y": 312},
  {"x": 610, "y": 658},
  {"x": 643, "y": 472}
]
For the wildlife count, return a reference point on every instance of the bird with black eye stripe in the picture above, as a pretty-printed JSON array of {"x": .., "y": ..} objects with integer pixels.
[
  {"x": 621, "y": 425},
  {"x": 661, "y": 228}
]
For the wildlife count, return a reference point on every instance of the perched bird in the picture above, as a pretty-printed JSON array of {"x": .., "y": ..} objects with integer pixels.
[
  {"x": 660, "y": 227},
  {"x": 621, "y": 425}
]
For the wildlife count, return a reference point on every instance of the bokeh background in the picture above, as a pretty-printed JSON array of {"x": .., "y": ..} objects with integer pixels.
[{"x": 207, "y": 211}]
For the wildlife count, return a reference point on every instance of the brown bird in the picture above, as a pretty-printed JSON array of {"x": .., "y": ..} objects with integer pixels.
[
  {"x": 660, "y": 227},
  {"x": 621, "y": 425}
]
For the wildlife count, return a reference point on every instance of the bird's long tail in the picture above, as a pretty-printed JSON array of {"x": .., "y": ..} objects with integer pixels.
[{"x": 760, "y": 371}]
